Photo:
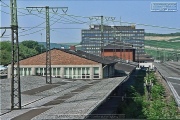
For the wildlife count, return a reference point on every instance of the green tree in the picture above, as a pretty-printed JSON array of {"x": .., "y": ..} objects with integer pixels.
[
  {"x": 5, "y": 52},
  {"x": 25, "y": 52},
  {"x": 5, "y": 57},
  {"x": 34, "y": 45},
  {"x": 5, "y": 45},
  {"x": 26, "y": 49}
]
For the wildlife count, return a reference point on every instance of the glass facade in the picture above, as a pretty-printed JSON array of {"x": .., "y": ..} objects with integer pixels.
[
  {"x": 91, "y": 72},
  {"x": 96, "y": 72},
  {"x": 69, "y": 72},
  {"x": 78, "y": 73},
  {"x": 92, "y": 39},
  {"x": 40, "y": 71},
  {"x": 25, "y": 71}
]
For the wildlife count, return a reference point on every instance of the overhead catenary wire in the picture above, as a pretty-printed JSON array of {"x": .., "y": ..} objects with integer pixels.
[
  {"x": 40, "y": 29},
  {"x": 67, "y": 22},
  {"x": 75, "y": 19},
  {"x": 5, "y": 12},
  {"x": 164, "y": 27},
  {"x": 114, "y": 21},
  {"x": 30, "y": 28}
]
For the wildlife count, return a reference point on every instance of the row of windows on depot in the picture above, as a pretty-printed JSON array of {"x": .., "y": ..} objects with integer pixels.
[
  {"x": 135, "y": 40},
  {"x": 69, "y": 72},
  {"x": 140, "y": 52},
  {"x": 92, "y": 45},
  {"x": 112, "y": 31},
  {"x": 110, "y": 35},
  {"x": 93, "y": 51},
  {"x": 98, "y": 39},
  {"x": 98, "y": 48}
]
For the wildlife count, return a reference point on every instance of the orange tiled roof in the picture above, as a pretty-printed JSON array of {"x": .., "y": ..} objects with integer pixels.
[{"x": 58, "y": 57}]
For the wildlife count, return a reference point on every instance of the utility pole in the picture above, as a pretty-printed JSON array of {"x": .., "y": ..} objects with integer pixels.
[
  {"x": 114, "y": 41},
  {"x": 148, "y": 84},
  {"x": 102, "y": 30},
  {"x": 120, "y": 51},
  {"x": 164, "y": 56},
  {"x": 102, "y": 37},
  {"x": 15, "y": 70},
  {"x": 48, "y": 52}
]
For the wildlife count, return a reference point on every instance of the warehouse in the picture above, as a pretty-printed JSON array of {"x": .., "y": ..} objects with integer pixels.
[
  {"x": 67, "y": 63},
  {"x": 120, "y": 50}
]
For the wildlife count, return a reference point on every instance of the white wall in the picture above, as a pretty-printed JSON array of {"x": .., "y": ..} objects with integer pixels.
[{"x": 146, "y": 65}]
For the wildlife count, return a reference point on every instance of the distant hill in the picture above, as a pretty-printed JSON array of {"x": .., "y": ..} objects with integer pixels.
[
  {"x": 171, "y": 37},
  {"x": 59, "y": 45},
  {"x": 161, "y": 38},
  {"x": 156, "y": 34}
]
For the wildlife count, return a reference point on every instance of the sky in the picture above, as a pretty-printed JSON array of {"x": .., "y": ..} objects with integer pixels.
[{"x": 67, "y": 28}]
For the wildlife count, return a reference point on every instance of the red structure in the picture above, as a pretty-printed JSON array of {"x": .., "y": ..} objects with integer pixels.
[
  {"x": 72, "y": 47},
  {"x": 122, "y": 51}
]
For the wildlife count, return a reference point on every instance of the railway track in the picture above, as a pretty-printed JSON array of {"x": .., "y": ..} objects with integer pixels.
[
  {"x": 171, "y": 75},
  {"x": 172, "y": 68},
  {"x": 173, "y": 64}
]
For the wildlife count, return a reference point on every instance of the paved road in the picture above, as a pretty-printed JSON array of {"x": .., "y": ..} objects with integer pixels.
[{"x": 171, "y": 73}]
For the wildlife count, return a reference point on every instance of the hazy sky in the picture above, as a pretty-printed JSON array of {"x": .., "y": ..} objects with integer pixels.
[{"x": 66, "y": 28}]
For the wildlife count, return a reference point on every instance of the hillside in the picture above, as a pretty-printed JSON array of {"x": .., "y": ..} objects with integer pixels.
[{"x": 160, "y": 38}]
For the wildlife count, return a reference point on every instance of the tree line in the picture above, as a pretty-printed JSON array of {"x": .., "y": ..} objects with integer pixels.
[
  {"x": 139, "y": 104},
  {"x": 27, "y": 49}
]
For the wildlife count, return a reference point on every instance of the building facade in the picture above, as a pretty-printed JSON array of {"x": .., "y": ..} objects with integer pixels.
[
  {"x": 67, "y": 64},
  {"x": 93, "y": 39},
  {"x": 120, "y": 51}
]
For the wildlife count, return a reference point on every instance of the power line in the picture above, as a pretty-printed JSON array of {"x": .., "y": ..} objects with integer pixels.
[
  {"x": 39, "y": 30},
  {"x": 164, "y": 27},
  {"x": 5, "y": 3},
  {"x": 51, "y": 28},
  {"x": 5, "y": 12},
  {"x": 32, "y": 28}
]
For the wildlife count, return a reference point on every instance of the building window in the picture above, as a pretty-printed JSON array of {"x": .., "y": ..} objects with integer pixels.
[
  {"x": 58, "y": 72},
  {"x": 53, "y": 71},
  {"x": 40, "y": 71},
  {"x": 77, "y": 73},
  {"x": 66, "y": 72},
  {"x": 24, "y": 71},
  {"x": 21, "y": 71},
  {"x": 96, "y": 72}
]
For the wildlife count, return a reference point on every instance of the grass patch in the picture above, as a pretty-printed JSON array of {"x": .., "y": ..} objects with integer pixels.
[{"x": 137, "y": 104}]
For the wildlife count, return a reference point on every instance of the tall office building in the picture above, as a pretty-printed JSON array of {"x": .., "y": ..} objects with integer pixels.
[{"x": 94, "y": 38}]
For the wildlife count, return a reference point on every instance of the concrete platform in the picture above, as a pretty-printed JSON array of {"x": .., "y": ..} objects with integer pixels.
[{"x": 63, "y": 99}]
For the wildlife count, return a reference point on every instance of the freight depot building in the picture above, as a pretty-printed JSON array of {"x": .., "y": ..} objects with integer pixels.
[
  {"x": 120, "y": 50},
  {"x": 67, "y": 64}
]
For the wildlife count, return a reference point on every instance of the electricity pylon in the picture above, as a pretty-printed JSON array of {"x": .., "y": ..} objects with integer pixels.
[
  {"x": 48, "y": 52},
  {"x": 15, "y": 70}
]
